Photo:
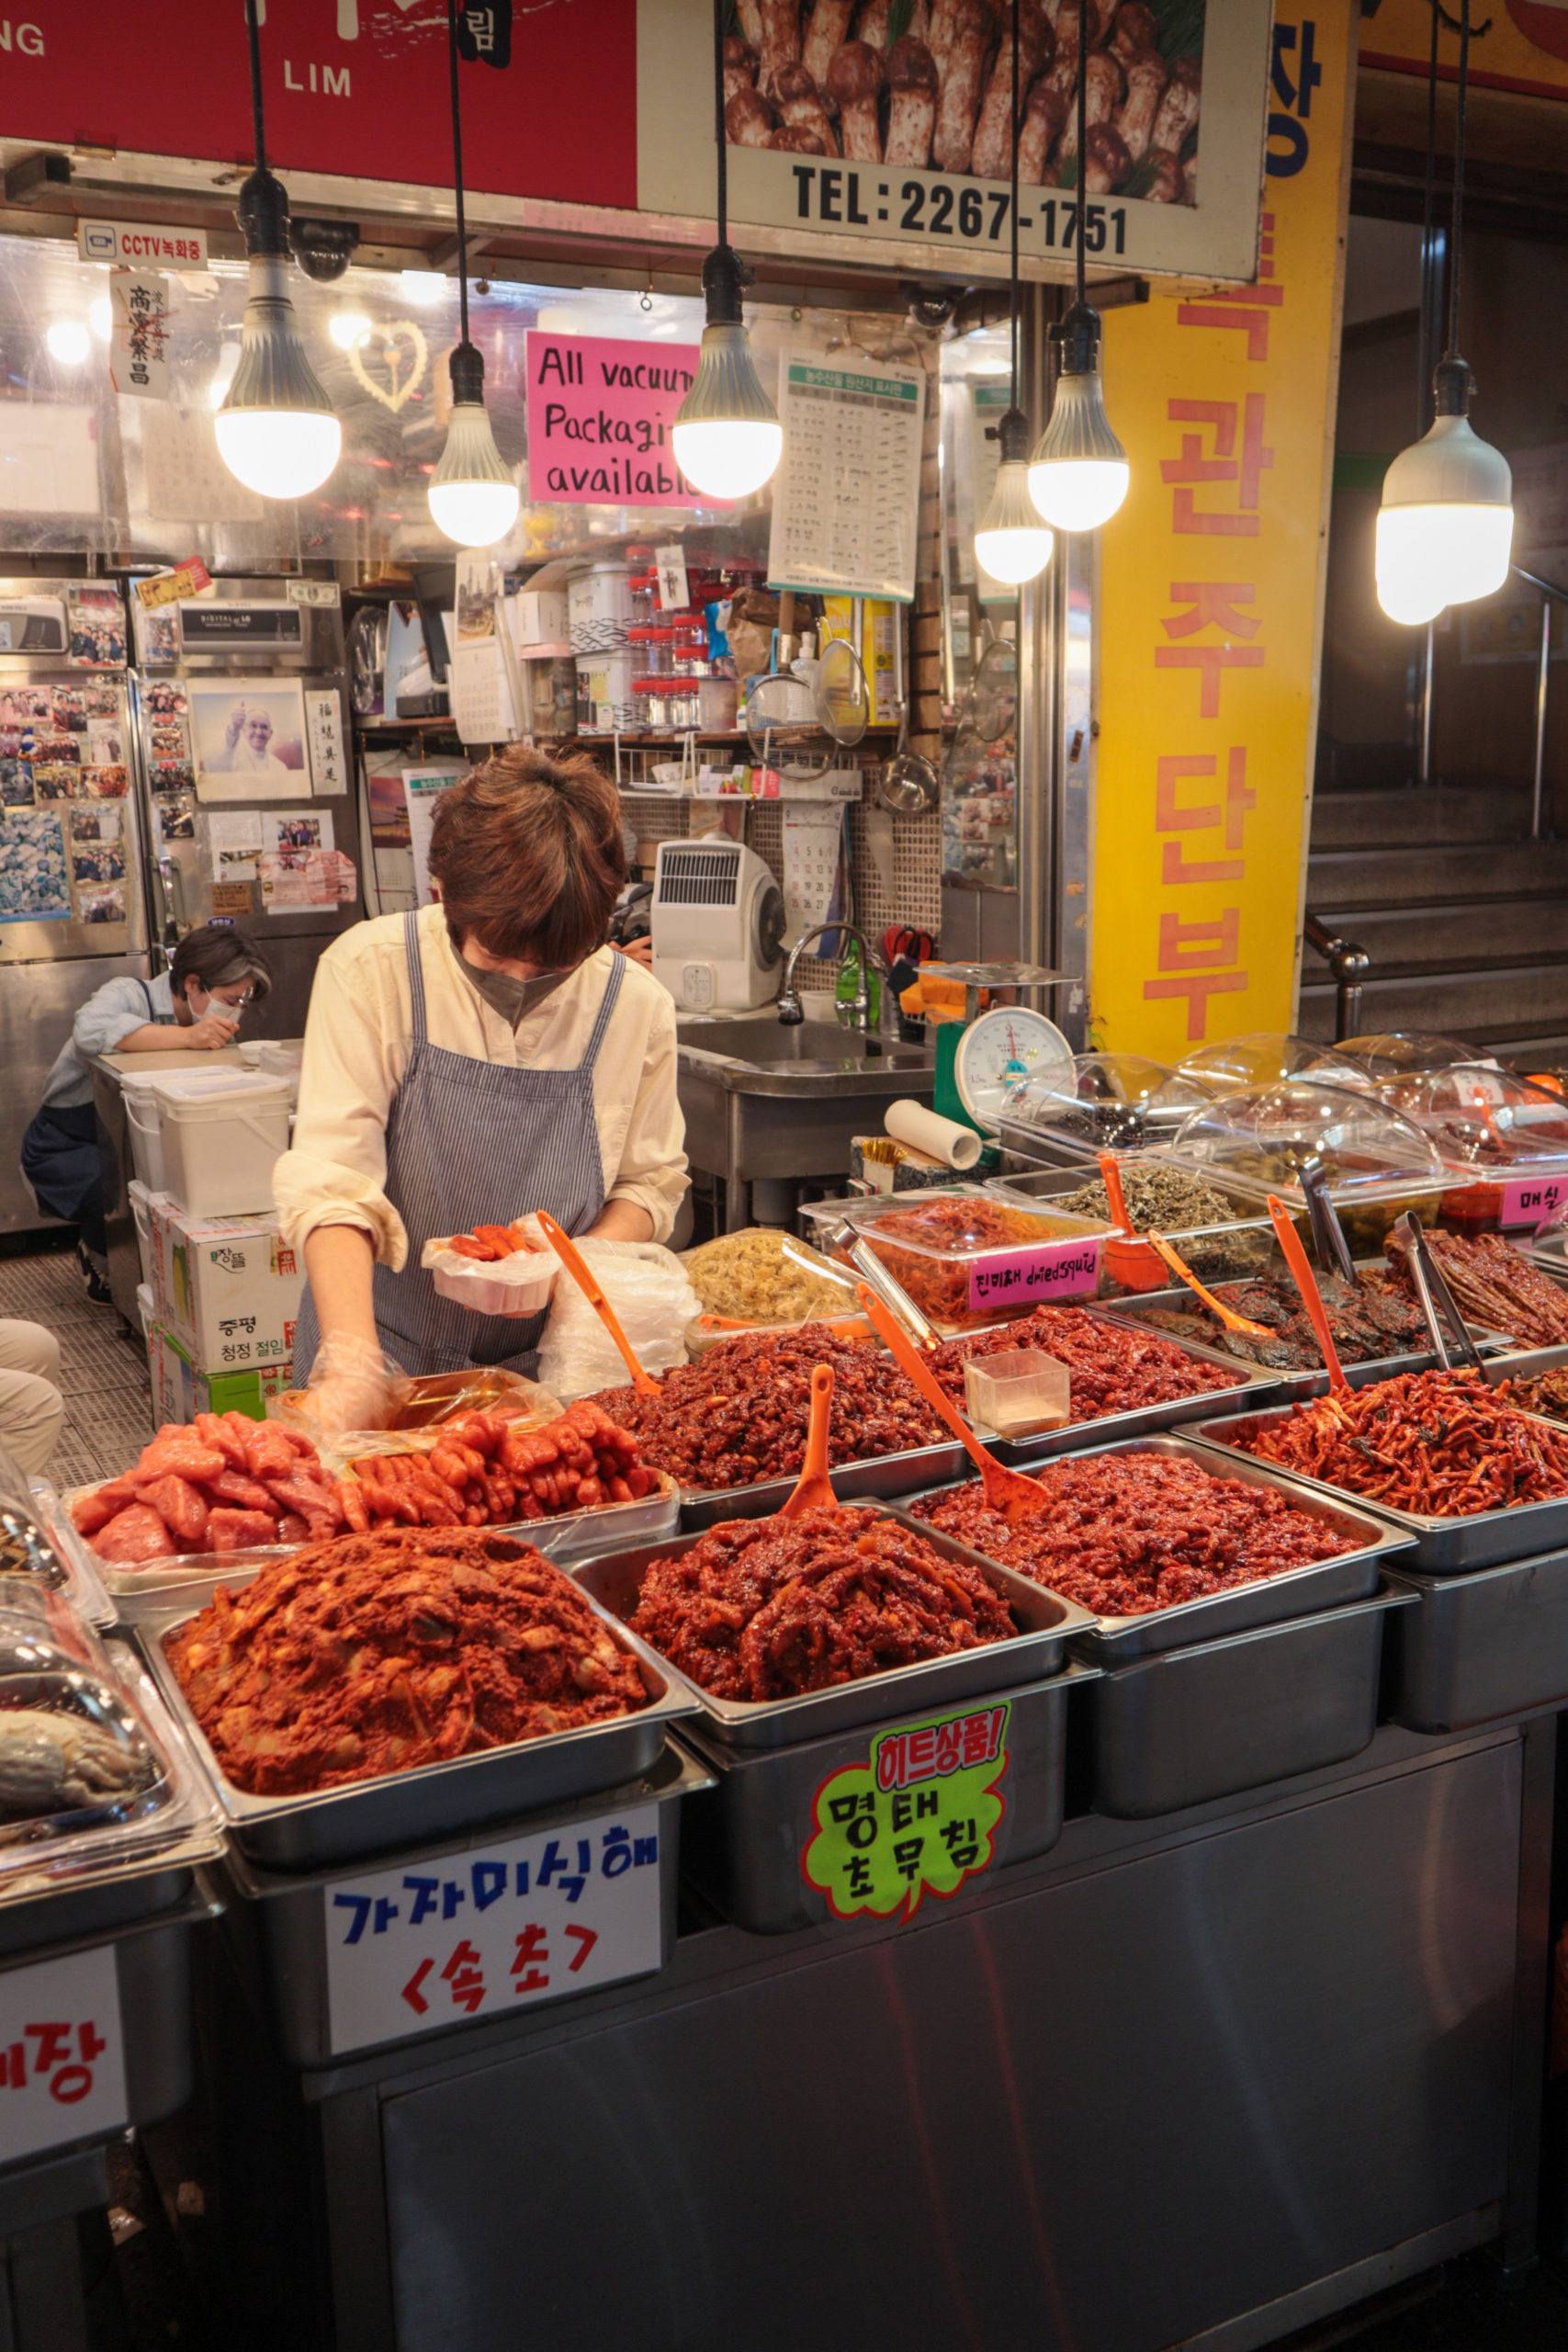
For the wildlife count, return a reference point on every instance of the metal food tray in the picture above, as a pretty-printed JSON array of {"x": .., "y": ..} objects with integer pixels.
[
  {"x": 374, "y": 1816},
  {"x": 1266, "y": 1600},
  {"x": 1258, "y": 1707},
  {"x": 1305, "y": 1383},
  {"x": 1251, "y": 1384},
  {"x": 879, "y": 1479},
  {"x": 1482, "y": 1646},
  {"x": 744, "y": 1837},
  {"x": 614, "y": 1582},
  {"x": 1445, "y": 1545},
  {"x": 286, "y": 1915}
]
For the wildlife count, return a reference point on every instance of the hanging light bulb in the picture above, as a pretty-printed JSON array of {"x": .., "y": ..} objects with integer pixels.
[
  {"x": 727, "y": 434},
  {"x": 1078, "y": 475},
  {"x": 277, "y": 432},
  {"x": 473, "y": 497},
  {"x": 1445, "y": 529},
  {"x": 1010, "y": 542}
]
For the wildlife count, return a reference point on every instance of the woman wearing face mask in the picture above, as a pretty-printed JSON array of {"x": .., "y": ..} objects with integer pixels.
[
  {"x": 482, "y": 1058},
  {"x": 196, "y": 1004}
]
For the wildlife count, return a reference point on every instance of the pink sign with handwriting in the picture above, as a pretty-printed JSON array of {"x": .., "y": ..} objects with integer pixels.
[
  {"x": 599, "y": 419},
  {"x": 1532, "y": 1199},
  {"x": 1004, "y": 1279}
]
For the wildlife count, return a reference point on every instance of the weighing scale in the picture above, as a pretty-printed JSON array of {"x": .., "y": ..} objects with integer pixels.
[{"x": 987, "y": 1059}]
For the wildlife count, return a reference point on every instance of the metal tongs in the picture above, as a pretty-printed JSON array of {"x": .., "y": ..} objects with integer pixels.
[
  {"x": 1432, "y": 1285},
  {"x": 1332, "y": 1250},
  {"x": 844, "y": 1237}
]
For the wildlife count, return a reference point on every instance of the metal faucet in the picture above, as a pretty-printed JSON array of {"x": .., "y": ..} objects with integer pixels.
[{"x": 791, "y": 1010}]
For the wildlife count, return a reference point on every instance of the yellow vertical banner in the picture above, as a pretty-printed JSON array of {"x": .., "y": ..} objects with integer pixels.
[{"x": 1211, "y": 594}]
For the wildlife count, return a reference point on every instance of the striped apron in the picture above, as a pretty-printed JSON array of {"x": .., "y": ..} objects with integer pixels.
[{"x": 471, "y": 1142}]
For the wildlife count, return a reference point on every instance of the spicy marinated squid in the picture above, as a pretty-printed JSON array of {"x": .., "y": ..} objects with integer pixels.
[{"x": 1441, "y": 1444}]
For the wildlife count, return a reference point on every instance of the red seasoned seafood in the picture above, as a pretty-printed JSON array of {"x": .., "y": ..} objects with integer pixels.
[
  {"x": 770, "y": 1608},
  {"x": 1494, "y": 1285},
  {"x": 486, "y": 1472},
  {"x": 1441, "y": 1444},
  {"x": 1113, "y": 1367},
  {"x": 221, "y": 1484},
  {"x": 741, "y": 1413},
  {"x": 378, "y": 1653}
]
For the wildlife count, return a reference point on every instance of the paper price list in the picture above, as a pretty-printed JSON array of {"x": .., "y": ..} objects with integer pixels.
[{"x": 846, "y": 504}]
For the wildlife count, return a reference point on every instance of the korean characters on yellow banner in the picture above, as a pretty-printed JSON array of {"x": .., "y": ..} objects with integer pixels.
[{"x": 1211, "y": 599}]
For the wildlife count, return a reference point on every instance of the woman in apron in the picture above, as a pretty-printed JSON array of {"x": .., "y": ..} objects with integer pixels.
[
  {"x": 197, "y": 1003},
  {"x": 467, "y": 1064}
]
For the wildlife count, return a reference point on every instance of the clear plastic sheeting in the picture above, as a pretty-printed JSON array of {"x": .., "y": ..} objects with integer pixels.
[
  {"x": 1264, "y": 1137},
  {"x": 1112, "y": 1102},
  {"x": 1387, "y": 1053},
  {"x": 1484, "y": 1118},
  {"x": 85, "y": 469}
]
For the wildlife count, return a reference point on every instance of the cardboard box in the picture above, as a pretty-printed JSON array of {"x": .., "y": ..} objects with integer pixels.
[
  {"x": 180, "y": 1391},
  {"x": 228, "y": 1288}
]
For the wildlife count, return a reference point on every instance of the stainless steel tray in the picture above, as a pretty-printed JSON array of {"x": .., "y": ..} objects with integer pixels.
[
  {"x": 614, "y": 1580},
  {"x": 397, "y": 1809},
  {"x": 877, "y": 1480},
  {"x": 1250, "y": 1385},
  {"x": 1302, "y": 1384},
  {"x": 1445, "y": 1545},
  {"x": 1480, "y": 1647},
  {"x": 1324, "y": 1584}
]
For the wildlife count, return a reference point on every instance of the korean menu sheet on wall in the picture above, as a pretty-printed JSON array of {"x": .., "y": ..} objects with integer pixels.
[{"x": 847, "y": 495}]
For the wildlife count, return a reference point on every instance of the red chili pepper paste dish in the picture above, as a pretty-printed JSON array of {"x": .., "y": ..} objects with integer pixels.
[
  {"x": 1441, "y": 1444},
  {"x": 770, "y": 1608},
  {"x": 1127, "y": 1533},
  {"x": 1113, "y": 1368}
]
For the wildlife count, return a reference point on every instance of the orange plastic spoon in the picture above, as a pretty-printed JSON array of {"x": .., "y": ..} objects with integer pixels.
[
  {"x": 814, "y": 1489},
  {"x": 571, "y": 1259},
  {"x": 1306, "y": 1283},
  {"x": 1227, "y": 1315},
  {"x": 1113, "y": 1192},
  {"x": 1008, "y": 1491}
]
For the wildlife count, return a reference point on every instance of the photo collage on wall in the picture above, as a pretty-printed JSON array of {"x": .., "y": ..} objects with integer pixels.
[{"x": 64, "y": 778}]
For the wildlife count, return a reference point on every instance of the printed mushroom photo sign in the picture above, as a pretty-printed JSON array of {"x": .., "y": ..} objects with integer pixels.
[{"x": 927, "y": 85}]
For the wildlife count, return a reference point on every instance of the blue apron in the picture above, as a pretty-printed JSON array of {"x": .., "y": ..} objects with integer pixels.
[
  {"x": 62, "y": 1162},
  {"x": 471, "y": 1142}
]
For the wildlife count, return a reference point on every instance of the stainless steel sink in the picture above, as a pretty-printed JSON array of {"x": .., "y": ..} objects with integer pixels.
[
  {"x": 812, "y": 1049},
  {"x": 765, "y": 1100}
]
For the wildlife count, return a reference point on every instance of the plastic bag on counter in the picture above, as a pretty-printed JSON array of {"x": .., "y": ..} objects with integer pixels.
[{"x": 652, "y": 1301}]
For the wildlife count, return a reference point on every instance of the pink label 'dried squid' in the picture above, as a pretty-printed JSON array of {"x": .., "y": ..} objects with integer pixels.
[{"x": 1052, "y": 1271}]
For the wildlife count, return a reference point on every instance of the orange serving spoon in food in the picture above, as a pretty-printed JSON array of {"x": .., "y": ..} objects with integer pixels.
[
  {"x": 1008, "y": 1491},
  {"x": 1290, "y": 1241},
  {"x": 814, "y": 1488},
  {"x": 573, "y": 1259},
  {"x": 1112, "y": 1175},
  {"x": 1241, "y": 1324}
]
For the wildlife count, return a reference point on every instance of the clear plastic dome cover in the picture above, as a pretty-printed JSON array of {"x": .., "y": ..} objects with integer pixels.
[
  {"x": 1264, "y": 1135},
  {"x": 1261, "y": 1057},
  {"x": 1482, "y": 1117},
  {"x": 1112, "y": 1101},
  {"x": 1385, "y": 1053}
]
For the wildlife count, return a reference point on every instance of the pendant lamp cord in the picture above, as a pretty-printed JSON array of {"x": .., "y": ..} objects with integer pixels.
[
  {"x": 456, "y": 168},
  {"x": 1423, "y": 374},
  {"x": 1014, "y": 291},
  {"x": 719, "y": 135},
  {"x": 1083, "y": 132},
  {"x": 1458, "y": 173},
  {"x": 253, "y": 31}
]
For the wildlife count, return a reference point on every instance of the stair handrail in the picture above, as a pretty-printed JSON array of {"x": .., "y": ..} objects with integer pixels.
[{"x": 1349, "y": 964}]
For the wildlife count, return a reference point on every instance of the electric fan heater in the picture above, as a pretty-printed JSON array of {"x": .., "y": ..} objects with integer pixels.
[{"x": 718, "y": 925}]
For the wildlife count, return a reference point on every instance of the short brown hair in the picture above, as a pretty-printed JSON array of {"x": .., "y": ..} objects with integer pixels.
[{"x": 529, "y": 855}]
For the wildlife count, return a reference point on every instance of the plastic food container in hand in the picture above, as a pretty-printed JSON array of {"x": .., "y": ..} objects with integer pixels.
[
  {"x": 519, "y": 1285},
  {"x": 1017, "y": 1393}
]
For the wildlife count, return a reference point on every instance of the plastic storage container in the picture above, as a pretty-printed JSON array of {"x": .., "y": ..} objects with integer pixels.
[
  {"x": 146, "y": 1135},
  {"x": 1376, "y": 1163},
  {"x": 1264, "y": 1057},
  {"x": 1508, "y": 1137},
  {"x": 966, "y": 1258},
  {"x": 1241, "y": 1245},
  {"x": 223, "y": 1132},
  {"x": 1107, "y": 1103},
  {"x": 599, "y": 605},
  {"x": 1387, "y": 1053}
]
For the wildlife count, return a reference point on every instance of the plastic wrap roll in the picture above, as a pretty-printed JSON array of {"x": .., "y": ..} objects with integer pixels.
[{"x": 911, "y": 1123}]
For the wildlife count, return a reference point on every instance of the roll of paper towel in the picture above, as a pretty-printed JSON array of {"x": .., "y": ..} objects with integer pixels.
[{"x": 945, "y": 1140}]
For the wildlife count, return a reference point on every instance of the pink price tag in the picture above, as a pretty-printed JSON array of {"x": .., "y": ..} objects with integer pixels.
[
  {"x": 1053, "y": 1271},
  {"x": 1533, "y": 1199}
]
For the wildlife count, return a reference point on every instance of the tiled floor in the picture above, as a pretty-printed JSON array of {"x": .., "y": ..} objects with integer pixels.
[{"x": 103, "y": 1376}]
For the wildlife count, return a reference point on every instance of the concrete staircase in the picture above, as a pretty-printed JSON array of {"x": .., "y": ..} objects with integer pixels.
[{"x": 1464, "y": 918}]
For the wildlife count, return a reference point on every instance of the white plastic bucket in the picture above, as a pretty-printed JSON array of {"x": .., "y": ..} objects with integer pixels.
[
  {"x": 223, "y": 1132},
  {"x": 146, "y": 1137},
  {"x": 137, "y": 1195},
  {"x": 146, "y": 1309}
]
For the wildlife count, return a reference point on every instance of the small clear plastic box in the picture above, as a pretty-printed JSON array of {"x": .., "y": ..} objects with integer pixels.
[{"x": 1017, "y": 1393}]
